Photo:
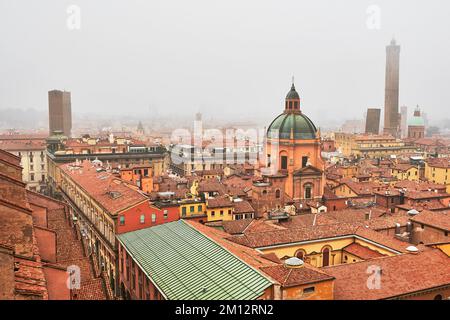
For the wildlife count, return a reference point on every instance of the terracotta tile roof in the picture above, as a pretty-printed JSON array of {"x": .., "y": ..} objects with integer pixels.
[
  {"x": 425, "y": 195},
  {"x": 361, "y": 251},
  {"x": 219, "y": 202},
  {"x": 248, "y": 255},
  {"x": 439, "y": 162},
  {"x": 91, "y": 289},
  {"x": 30, "y": 279},
  {"x": 236, "y": 226},
  {"x": 242, "y": 207},
  {"x": 400, "y": 274},
  {"x": 9, "y": 158},
  {"x": 434, "y": 205},
  {"x": 286, "y": 236},
  {"x": 387, "y": 221},
  {"x": 307, "y": 220},
  {"x": 109, "y": 191},
  {"x": 363, "y": 188},
  {"x": 23, "y": 145},
  {"x": 283, "y": 236},
  {"x": 211, "y": 186},
  {"x": 403, "y": 167},
  {"x": 437, "y": 219},
  {"x": 290, "y": 277},
  {"x": 271, "y": 256},
  {"x": 418, "y": 185}
]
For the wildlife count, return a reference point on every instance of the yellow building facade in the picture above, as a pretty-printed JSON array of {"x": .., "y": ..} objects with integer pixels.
[
  {"x": 370, "y": 146},
  {"x": 438, "y": 172},
  {"x": 326, "y": 252}
]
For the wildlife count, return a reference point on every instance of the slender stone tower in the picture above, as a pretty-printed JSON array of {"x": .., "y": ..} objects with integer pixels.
[{"x": 391, "y": 115}]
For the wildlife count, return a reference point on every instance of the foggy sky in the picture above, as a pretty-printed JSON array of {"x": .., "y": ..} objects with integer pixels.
[{"x": 224, "y": 58}]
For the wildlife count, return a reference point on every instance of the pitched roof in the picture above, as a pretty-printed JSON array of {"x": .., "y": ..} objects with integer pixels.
[
  {"x": 110, "y": 192},
  {"x": 437, "y": 219},
  {"x": 283, "y": 236},
  {"x": 186, "y": 264},
  {"x": 290, "y": 277},
  {"x": 400, "y": 274},
  {"x": 361, "y": 251},
  {"x": 243, "y": 207}
]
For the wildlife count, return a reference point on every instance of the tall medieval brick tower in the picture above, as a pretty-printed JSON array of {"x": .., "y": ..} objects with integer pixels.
[{"x": 391, "y": 115}]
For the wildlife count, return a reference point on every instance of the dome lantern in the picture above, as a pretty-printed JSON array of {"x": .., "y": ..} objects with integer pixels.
[
  {"x": 292, "y": 103},
  {"x": 292, "y": 124}
]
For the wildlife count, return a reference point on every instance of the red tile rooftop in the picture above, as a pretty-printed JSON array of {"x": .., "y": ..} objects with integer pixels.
[
  {"x": 290, "y": 277},
  {"x": 242, "y": 207},
  {"x": 23, "y": 145},
  {"x": 400, "y": 274},
  {"x": 419, "y": 185},
  {"x": 362, "y": 252},
  {"x": 284, "y": 236},
  {"x": 112, "y": 193},
  {"x": 436, "y": 219},
  {"x": 439, "y": 162},
  {"x": 219, "y": 202}
]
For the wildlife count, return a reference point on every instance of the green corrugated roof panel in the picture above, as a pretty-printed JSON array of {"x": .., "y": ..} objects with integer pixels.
[{"x": 182, "y": 262}]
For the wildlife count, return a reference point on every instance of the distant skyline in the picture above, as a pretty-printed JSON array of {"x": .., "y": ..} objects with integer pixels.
[{"x": 233, "y": 59}]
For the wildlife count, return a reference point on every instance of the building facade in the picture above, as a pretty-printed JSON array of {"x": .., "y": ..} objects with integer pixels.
[
  {"x": 373, "y": 121},
  {"x": 391, "y": 114},
  {"x": 416, "y": 126},
  {"x": 293, "y": 152},
  {"x": 31, "y": 149},
  {"x": 60, "y": 112},
  {"x": 371, "y": 146}
]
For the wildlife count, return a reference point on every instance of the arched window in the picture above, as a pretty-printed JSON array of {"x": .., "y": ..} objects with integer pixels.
[
  {"x": 284, "y": 162},
  {"x": 300, "y": 254},
  {"x": 438, "y": 297},
  {"x": 325, "y": 256},
  {"x": 277, "y": 193},
  {"x": 264, "y": 192}
]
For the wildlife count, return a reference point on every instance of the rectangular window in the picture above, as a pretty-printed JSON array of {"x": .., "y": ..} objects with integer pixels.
[
  {"x": 308, "y": 290},
  {"x": 200, "y": 209},
  {"x": 32, "y": 177},
  {"x": 142, "y": 218},
  {"x": 213, "y": 213},
  {"x": 183, "y": 211},
  {"x": 153, "y": 217},
  {"x": 166, "y": 214},
  {"x": 191, "y": 209},
  {"x": 221, "y": 213},
  {"x": 304, "y": 161},
  {"x": 284, "y": 162},
  {"x": 122, "y": 220}
]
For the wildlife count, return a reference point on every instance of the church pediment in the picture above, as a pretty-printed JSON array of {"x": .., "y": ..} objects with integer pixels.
[{"x": 308, "y": 170}]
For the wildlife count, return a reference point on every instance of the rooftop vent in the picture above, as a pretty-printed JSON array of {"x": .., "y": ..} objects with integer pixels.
[
  {"x": 114, "y": 194},
  {"x": 293, "y": 262},
  {"x": 413, "y": 212},
  {"x": 412, "y": 249}
]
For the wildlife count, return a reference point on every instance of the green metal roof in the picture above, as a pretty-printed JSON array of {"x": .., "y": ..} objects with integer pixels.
[
  {"x": 416, "y": 121},
  {"x": 302, "y": 127},
  {"x": 186, "y": 265}
]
